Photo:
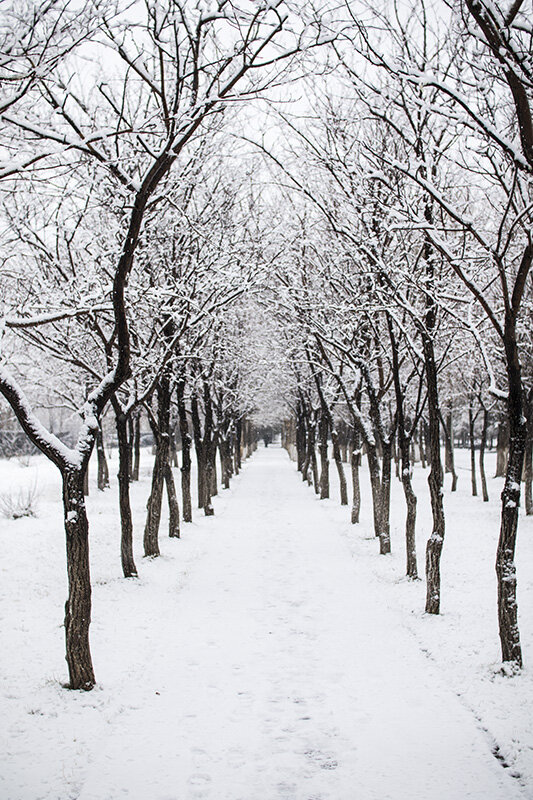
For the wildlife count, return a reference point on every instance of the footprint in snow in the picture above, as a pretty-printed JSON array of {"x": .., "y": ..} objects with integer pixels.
[{"x": 322, "y": 760}]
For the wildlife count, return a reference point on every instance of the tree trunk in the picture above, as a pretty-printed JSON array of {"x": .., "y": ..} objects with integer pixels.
[
  {"x": 78, "y": 605},
  {"x": 410, "y": 521},
  {"x": 314, "y": 463},
  {"x": 404, "y": 448},
  {"x": 300, "y": 437},
  {"x": 131, "y": 437},
  {"x": 186, "y": 442},
  {"x": 471, "y": 434},
  {"x": 505, "y": 566},
  {"x": 136, "y": 447},
  {"x": 323, "y": 430},
  {"x": 173, "y": 505},
  {"x": 356, "y": 487},
  {"x": 237, "y": 453},
  {"x": 153, "y": 516},
  {"x": 103, "y": 469},
  {"x": 528, "y": 461},
  {"x": 482, "y": 456},
  {"x": 435, "y": 481},
  {"x": 384, "y": 513},
  {"x": 423, "y": 444},
  {"x": 375, "y": 484},
  {"x": 306, "y": 475},
  {"x": 209, "y": 453},
  {"x": 340, "y": 469},
  {"x": 447, "y": 428},
  {"x": 126, "y": 524},
  {"x": 199, "y": 448}
]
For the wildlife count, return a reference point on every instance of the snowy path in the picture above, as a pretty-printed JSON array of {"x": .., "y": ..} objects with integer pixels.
[{"x": 287, "y": 677}]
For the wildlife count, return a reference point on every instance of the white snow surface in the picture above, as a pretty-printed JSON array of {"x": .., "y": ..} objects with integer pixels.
[{"x": 270, "y": 653}]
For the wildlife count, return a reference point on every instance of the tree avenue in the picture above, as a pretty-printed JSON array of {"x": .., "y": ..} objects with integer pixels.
[{"x": 227, "y": 220}]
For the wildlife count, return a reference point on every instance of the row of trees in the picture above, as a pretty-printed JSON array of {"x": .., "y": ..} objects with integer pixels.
[
  {"x": 120, "y": 245},
  {"x": 360, "y": 255},
  {"x": 411, "y": 263}
]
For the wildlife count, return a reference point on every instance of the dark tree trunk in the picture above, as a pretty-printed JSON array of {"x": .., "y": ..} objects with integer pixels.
[
  {"x": 136, "y": 447},
  {"x": 162, "y": 452},
  {"x": 300, "y": 437},
  {"x": 482, "y": 446},
  {"x": 78, "y": 605},
  {"x": 505, "y": 565},
  {"x": 410, "y": 521},
  {"x": 126, "y": 524},
  {"x": 306, "y": 475},
  {"x": 528, "y": 460},
  {"x": 356, "y": 487},
  {"x": 213, "y": 447},
  {"x": 186, "y": 442},
  {"x": 375, "y": 484},
  {"x": 423, "y": 442},
  {"x": 209, "y": 453},
  {"x": 435, "y": 481},
  {"x": 199, "y": 448},
  {"x": 340, "y": 469},
  {"x": 404, "y": 448},
  {"x": 131, "y": 436},
  {"x": 86, "y": 482},
  {"x": 384, "y": 513},
  {"x": 224, "y": 449},
  {"x": 447, "y": 428},
  {"x": 436, "y": 476},
  {"x": 471, "y": 434},
  {"x": 323, "y": 430},
  {"x": 314, "y": 463},
  {"x": 103, "y": 469},
  {"x": 396, "y": 458},
  {"x": 173, "y": 505},
  {"x": 238, "y": 441}
]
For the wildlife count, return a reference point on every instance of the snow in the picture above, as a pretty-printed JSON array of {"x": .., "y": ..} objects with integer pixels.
[{"x": 270, "y": 653}]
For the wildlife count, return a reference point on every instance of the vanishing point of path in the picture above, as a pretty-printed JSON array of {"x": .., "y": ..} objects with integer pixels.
[{"x": 286, "y": 678}]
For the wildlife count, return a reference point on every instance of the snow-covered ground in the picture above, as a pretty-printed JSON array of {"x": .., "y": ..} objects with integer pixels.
[{"x": 270, "y": 653}]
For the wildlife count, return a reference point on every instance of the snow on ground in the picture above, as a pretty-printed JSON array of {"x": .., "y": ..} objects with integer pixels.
[{"x": 270, "y": 653}]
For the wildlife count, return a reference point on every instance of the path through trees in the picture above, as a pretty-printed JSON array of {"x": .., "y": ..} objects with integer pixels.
[{"x": 276, "y": 669}]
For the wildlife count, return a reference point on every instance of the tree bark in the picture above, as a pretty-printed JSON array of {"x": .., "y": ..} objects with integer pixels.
[
  {"x": 482, "y": 446},
  {"x": 103, "y": 470},
  {"x": 173, "y": 505},
  {"x": 505, "y": 566},
  {"x": 340, "y": 469},
  {"x": 356, "y": 487},
  {"x": 78, "y": 605},
  {"x": 323, "y": 430},
  {"x": 435, "y": 481},
  {"x": 447, "y": 428},
  {"x": 153, "y": 516},
  {"x": 471, "y": 433},
  {"x": 404, "y": 448},
  {"x": 528, "y": 456},
  {"x": 384, "y": 515},
  {"x": 375, "y": 484},
  {"x": 136, "y": 447},
  {"x": 129, "y": 569},
  {"x": 186, "y": 442}
]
